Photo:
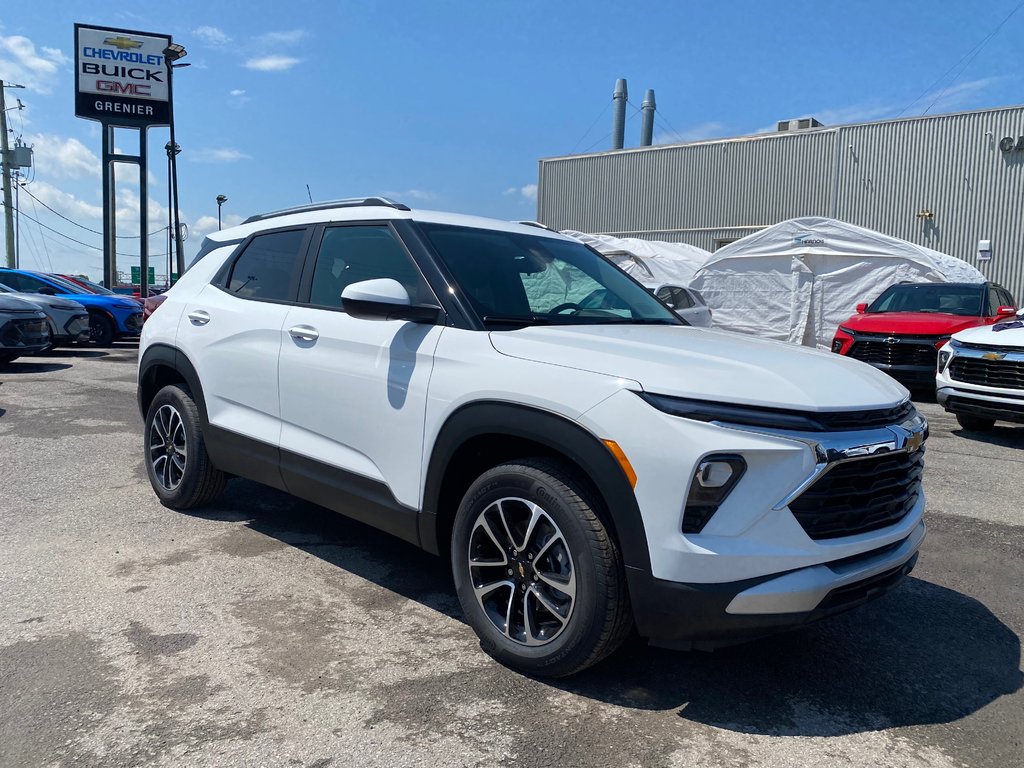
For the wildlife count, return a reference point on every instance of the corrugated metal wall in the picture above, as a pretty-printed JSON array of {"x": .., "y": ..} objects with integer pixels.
[{"x": 877, "y": 175}]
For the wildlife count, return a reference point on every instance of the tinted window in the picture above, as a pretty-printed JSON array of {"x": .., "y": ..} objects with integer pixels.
[
  {"x": 517, "y": 279},
  {"x": 23, "y": 283},
  {"x": 353, "y": 254},
  {"x": 1008, "y": 300},
  {"x": 268, "y": 267}
]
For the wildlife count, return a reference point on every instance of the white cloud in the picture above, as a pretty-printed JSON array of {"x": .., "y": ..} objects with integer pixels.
[
  {"x": 237, "y": 97},
  {"x": 63, "y": 158},
  {"x": 204, "y": 225},
  {"x": 218, "y": 155},
  {"x": 272, "y": 63},
  {"x": 236, "y": 92},
  {"x": 64, "y": 202},
  {"x": 21, "y": 63},
  {"x": 410, "y": 194},
  {"x": 211, "y": 35},
  {"x": 527, "y": 191},
  {"x": 288, "y": 37}
]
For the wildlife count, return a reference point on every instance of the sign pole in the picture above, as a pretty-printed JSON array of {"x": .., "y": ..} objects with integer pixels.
[
  {"x": 143, "y": 213},
  {"x": 109, "y": 211}
]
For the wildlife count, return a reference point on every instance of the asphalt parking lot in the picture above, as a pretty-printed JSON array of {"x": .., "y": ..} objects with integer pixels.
[{"x": 267, "y": 631}]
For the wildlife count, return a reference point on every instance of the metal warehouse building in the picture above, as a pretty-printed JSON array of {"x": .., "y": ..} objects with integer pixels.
[{"x": 949, "y": 182}]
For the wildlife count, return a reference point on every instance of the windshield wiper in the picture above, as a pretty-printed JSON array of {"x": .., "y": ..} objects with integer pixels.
[{"x": 516, "y": 320}]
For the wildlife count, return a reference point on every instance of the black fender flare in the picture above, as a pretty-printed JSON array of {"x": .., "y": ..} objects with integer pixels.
[
  {"x": 559, "y": 434},
  {"x": 157, "y": 355}
]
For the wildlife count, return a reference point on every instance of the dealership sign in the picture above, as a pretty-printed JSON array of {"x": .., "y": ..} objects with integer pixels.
[{"x": 121, "y": 76}]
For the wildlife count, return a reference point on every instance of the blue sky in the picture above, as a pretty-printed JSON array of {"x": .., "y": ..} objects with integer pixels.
[{"x": 448, "y": 105}]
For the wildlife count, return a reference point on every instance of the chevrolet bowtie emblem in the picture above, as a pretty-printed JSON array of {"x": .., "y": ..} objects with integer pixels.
[
  {"x": 124, "y": 43},
  {"x": 892, "y": 340},
  {"x": 994, "y": 355}
]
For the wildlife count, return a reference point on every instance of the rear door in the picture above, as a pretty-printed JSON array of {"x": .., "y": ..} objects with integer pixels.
[
  {"x": 353, "y": 392},
  {"x": 232, "y": 332}
]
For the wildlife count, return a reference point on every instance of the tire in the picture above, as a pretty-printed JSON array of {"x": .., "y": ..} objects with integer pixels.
[
  {"x": 975, "y": 423},
  {"x": 177, "y": 464},
  {"x": 566, "y": 590},
  {"x": 101, "y": 330},
  {"x": 8, "y": 357}
]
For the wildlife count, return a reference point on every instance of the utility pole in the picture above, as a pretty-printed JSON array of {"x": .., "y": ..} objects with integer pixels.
[{"x": 5, "y": 167}]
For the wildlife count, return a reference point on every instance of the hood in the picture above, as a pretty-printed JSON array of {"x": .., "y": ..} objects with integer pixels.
[
  {"x": 912, "y": 323},
  {"x": 1009, "y": 333},
  {"x": 51, "y": 302},
  {"x": 710, "y": 365},
  {"x": 16, "y": 304}
]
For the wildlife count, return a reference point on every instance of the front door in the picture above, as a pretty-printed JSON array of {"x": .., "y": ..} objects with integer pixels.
[{"x": 353, "y": 392}]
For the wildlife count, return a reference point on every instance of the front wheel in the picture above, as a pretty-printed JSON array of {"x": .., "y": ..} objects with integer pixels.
[
  {"x": 101, "y": 330},
  {"x": 538, "y": 574},
  {"x": 975, "y": 423},
  {"x": 178, "y": 466}
]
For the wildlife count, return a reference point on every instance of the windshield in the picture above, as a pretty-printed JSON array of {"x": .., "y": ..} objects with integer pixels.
[
  {"x": 95, "y": 287},
  {"x": 66, "y": 285},
  {"x": 512, "y": 279},
  {"x": 932, "y": 297}
]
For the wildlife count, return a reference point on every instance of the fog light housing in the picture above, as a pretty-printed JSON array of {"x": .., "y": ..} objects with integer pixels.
[
  {"x": 712, "y": 482},
  {"x": 943, "y": 359},
  {"x": 837, "y": 345}
]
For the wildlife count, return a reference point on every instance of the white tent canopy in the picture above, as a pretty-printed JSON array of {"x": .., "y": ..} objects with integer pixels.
[
  {"x": 798, "y": 280},
  {"x": 649, "y": 262}
]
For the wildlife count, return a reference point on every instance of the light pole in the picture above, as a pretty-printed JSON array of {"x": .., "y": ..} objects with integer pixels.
[
  {"x": 221, "y": 199},
  {"x": 172, "y": 53},
  {"x": 171, "y": 149}
]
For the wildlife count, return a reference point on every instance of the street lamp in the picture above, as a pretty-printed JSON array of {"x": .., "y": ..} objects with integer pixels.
[
  {"x": 221, "y": 199},
  {"x": 172, "y": 53}
]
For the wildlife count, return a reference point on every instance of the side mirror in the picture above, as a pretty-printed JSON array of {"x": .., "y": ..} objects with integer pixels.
[
  {"x": 47, "y": 291},
  {"x": 385, "y": 299},
  {"x": 861, "y": 308},
  {"x": 1006, "y": 311}
]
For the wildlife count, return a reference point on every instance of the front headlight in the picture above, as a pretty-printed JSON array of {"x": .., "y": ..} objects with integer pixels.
[
  {"x": 845, "y": 330},
  {"x": 943, "y": 359},
  {"x": 706, "y": 410},
  {"x": 126, "y": 305}
]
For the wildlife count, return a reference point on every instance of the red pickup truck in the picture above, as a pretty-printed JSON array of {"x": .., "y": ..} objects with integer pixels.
[{"x": 901, "y": 331}]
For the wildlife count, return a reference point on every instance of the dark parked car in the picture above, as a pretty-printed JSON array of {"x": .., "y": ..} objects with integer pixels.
[{"x": 23, "y": 328}]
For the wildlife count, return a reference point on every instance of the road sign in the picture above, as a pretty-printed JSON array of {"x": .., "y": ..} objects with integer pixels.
[{"x": 137, "y": 275}]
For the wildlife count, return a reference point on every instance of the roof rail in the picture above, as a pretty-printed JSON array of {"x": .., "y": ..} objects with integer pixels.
[
  {"x": 538, "y": 225},
  {"x": 349, "y": 202}
]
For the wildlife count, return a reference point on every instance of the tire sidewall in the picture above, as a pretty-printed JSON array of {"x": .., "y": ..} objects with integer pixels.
[
  {"x": 105, "y": 336},
  {"x": 584, "y": 627},
  {"x": 181, "y": 401}
]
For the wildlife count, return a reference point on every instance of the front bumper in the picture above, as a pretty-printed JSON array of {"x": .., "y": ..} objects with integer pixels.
[
  {"x": 986, "y": 400},
  {"x": 74, "y": 330},
  {"x": 706, "y": 616},
  {"x": 986, "y": 405},
  {"x": 131, "y": 325}
]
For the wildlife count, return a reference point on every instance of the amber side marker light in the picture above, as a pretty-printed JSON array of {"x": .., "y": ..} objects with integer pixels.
[{"x": 620, "y": 457}]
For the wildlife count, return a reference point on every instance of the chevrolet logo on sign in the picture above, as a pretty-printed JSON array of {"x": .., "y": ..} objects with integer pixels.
[
  {"x": 994, "y": 355},
  {"x": 123, "y": 43}
]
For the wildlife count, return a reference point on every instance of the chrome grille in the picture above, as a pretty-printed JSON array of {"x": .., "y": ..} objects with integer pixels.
[{"x": 1008, "y": 374}]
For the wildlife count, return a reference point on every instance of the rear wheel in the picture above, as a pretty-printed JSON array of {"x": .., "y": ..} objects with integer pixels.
[
  {"x": 538, "y": 574},
  {"x": 101, "y": 330},
  {"x": 178, "y": 466},
  {"x": 975, "y": 423}
]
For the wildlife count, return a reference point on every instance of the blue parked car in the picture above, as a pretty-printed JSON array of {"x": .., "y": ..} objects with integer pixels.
[{"x": 110, "y": 317}]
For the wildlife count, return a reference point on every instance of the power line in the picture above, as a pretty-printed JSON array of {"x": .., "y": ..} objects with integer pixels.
[
  {"x": 68, "y": 237},
  {"x": 87, "y": 229},
  {"x": 971, "y": 55},
  {"x": 46, "y": 249}
]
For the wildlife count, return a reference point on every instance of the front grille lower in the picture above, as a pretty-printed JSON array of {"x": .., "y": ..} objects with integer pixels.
[
  {"x": 903, "y": 352},
  {"x": 29, "y": 332},
  {"x": 861, "y": 495},
  {"x": 1008, "y": 374}
]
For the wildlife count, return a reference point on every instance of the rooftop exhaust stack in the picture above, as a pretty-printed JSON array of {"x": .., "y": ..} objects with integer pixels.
[
  {"x": 647, "y": 126},
  {"x": 619, "y": 99}
]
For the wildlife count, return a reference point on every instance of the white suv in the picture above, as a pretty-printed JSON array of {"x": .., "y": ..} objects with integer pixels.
[
  {"x": 587, "y": 471},
  {"x": 980, "y": 376}
]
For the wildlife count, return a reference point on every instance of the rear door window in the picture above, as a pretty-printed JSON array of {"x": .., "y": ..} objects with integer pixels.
[{"x": 268, "y": 269}]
